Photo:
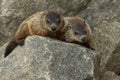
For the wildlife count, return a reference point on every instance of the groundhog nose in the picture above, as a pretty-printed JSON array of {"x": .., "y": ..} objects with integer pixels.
[
  {"x": 53, "y": 28},
  {"x": 83, "y": 38}
]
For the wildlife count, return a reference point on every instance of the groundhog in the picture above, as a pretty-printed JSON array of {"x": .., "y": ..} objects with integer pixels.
[
  {"x": 110, "y": 75},
  {"x": 44, "y": 23},
  {"x": 77, "y": 30}
]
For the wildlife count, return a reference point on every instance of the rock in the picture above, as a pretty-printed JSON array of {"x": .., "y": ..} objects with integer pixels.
[
  {"x": 99, "y": 11},
  {"x": 113, "y": 63},
  {"x": 47, "y": 59},
  {"x": 13, "y": 12},
  {"x": 71, "y": 7},
  {"x": 105, "y": 39}
]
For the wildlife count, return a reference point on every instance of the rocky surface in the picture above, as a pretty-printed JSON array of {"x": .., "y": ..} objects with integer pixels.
[
  {"x": 106, "y": 38},
  {"x": 102, "y": 15},
  {"x": 113, "y": 63},
  {"x": 99, "y": 11},
  {"x": 47, "y": 59}
]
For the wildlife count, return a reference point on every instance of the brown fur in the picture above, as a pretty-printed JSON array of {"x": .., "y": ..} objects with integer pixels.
[
  {"x": 109, "y": 75},
  {"x": 36, "y": 24},
  {"x": 69, "y": 35}
]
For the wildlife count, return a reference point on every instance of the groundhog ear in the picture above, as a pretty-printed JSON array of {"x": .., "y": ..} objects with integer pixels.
[{"x": 25, "y": 25}]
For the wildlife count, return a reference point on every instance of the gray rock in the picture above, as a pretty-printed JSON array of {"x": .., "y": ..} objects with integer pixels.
[
  {"x": 99, "y": 11},
  {"x": 105, "y": 39},
  {"x": 47, "y": 59},
  {"x": 113, "y": 63},
  {"x": 13, "y": 12}
]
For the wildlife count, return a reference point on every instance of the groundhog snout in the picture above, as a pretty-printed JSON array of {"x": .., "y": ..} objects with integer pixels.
[
  {"x": 83, "y": 38},
  {"x": 53, "y": 27}
]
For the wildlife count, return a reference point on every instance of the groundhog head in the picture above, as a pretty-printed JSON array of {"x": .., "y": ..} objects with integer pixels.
[
  {"x": 77, "y": 31},
  {"x": 54, "y": 20}
]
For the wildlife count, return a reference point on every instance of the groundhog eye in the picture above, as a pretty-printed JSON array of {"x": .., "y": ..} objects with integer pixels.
[
  {"x": 58, "y": 20},
  {"x": 85, "y": 31},
  {"x": 76, "y": 32},
  {"x": 47, "y": 21}
]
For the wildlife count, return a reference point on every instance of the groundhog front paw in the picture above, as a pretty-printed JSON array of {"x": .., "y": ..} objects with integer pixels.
[{"x": 21, "y": 42}]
